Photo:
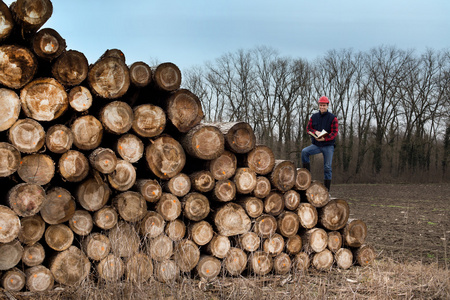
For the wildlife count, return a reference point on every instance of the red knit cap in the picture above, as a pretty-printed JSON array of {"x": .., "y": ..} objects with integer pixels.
[{"x": 324, "y": 100}]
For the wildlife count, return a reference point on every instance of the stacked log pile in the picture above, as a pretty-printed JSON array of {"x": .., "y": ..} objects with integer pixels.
[{"x": 108, "y": 169}]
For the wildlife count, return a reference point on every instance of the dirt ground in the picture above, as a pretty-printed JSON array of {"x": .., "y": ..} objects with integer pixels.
[{"x": 405, "y": 221}]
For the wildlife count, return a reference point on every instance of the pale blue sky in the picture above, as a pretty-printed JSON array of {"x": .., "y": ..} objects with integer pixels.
[{"x": 190, "y": 33}]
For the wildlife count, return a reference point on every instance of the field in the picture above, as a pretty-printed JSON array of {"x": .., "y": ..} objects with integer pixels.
[{"x": 408, "y": 224}]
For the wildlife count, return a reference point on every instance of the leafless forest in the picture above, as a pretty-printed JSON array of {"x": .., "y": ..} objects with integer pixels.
[{"x": 392, "y": 106}]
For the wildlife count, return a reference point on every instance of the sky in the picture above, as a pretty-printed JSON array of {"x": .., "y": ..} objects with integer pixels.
[{"x": 192, "y": 32}]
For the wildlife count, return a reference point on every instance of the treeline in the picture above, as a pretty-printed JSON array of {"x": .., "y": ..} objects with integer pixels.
[{"x": 392, "y": 106}]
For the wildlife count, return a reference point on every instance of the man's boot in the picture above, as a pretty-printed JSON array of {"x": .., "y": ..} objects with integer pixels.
[
  {"x": 307, "y": 166},
  {"x": 327, "y": 183}
]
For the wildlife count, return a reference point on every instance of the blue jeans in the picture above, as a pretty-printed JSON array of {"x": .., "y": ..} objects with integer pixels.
[{"x": 327, "y": 152}]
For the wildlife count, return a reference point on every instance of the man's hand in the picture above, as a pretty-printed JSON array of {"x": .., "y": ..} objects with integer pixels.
[{"x": 322, "y": 139}]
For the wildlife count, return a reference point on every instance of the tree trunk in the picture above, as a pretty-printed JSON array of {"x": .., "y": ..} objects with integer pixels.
[
  {"x": 130, "y": 148},
  {"x": 31, "y": 231},
  {"x": 175, "y": 230},
  {"x": 274, "y": 244},
  {"x": 39, "y": 279},
  {"x": 364, "y": 255},
  {"x": 235, "y": 261},
  {"x": 87, "y": 132},
  {"x": 44, "y": 99},
  {"x": 48, "y": 44},
  {"x": 239, "y": 136},
  {"x": 96, "y": 246},
  {"x": 131, "y": 206},
  {"x": 308, "y": 215},
  {"x": 71, "y": 68},
  {"x": 354, "y": 233},
  {"x": 27, "y": 135},
  {"x": 9, "y": 159},
  {"x": 140, "y": 74},
  {"x": 294, "y": 245},
  {"x": 323, "y": 260},
  {"x": 282, "y": 264},
  {"x": 167, "y": 77},
  {"x": 291, "y": 200},
  {"x": 274, "y": 203},
  {"x": 219, "y": 246},
  {"x": 80, "y": 98},
  {"x": 301, "y": 261},
  {"x": 265, "y": 226},
  {"x": 33, "y": 255},
  {"x": 73, "y": 166},
  {"x": 36, "y": 169},
  {"x": 179, "y": 185},
  {"x": 261, "y": 159},
  {"x": 231, "y": 219},
  {"x": 14, "y": 279},
  {"x": 111, "y": 268},
  {"x": 208, "y": 267},
  {"x": 334, "y": 215},
  {"x": 10, "y": 105},
  {"x": 109, "y": 78},
  {"x": 59, "y": 139},
  {"x": 334, "y": 241},
  {"x": 106, "y": 218},
  {"x": 81, "y": 222},
  {"x": 260, "y": 263},
  {"x": 116, "y": 117},
  {"x": 186, "y": 255},
  {"x": 202, "y": 181},
  {"x": 7, "y": 22},
  {"x": 165, "y": 157},
  {"x": 283, "y": 175},
  {"x": 344, "y": 258},
  {"x": 166, "y": 271},
  {"x": 262, "y": 188},
  {"x": 184, "y": 110},
  {"x": 169, "y": 207},
  {"x": 317, "y": 194},
  {"x": 161, "y": 248},
  {"x": 124, "y": 239},
  {"x": 30, "y": 16},
  {"x": 288, "y": 224},
  {"x": 149, "y": 120},
  {"x": 224, "y": 191},
  {"x": 59, "y": 206},
  {"x": 59, "y": 237},
  {"x": 245, "y": 180},
  {"x": 303, "y": 179},
  {"x": 139, "y": 268},
  {"x": 150, "y": 189},
  {"x": 93, "y": 194},
  {"x": 249, "y": 241},
  {"x": 103, "y": 160},
  {"x": 201, "y": 232},
  {"x": 70, "y": 267},
  {"x": 204, "y": 142},
  {"x": 10, "y": 254},
  {"x": 195, "y": 206},
  {"x": 26, "y": 199},
  {"x": 18, "y": 66},
  {"x": 124, "y": 176},
  {"x": 315, "y": 240},
  {"x": 152, "y": 225},
  {"x": 253, "y": 206},
  {"x": 223, "y": 167}
]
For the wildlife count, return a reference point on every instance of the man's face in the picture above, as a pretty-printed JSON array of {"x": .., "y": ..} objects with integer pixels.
[{"x": 323, "y": 108}]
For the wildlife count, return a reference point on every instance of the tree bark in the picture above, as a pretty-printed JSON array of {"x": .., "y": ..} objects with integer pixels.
[
  {"x": 59, "y": 139},
  {"x": 175, "y": 230},
  {"x": 235, "y": 261},
  {"x": 10, "y": 106},
  {"x": 48, "y": 44},
  {"x": 223, "y": 167},
  {"x": 70, "y": 267},
  {"x": 315, "y": 240},
  {"x": 26, "y": 199},
  {"x": 59, "y": 237},
  {"x": 291, "y": 200},
  {"x": 80, "y": 98},
  {"x": 165, "y": 157},
  {"x": 273, "y": 245},
  {"x": 150, "y": 189},
  {"x": 167, "y": 77},
  {"x": 18, "y": 66},
  {"x": 140, "y": 74},
  {"x": 109, "y": 78},
  {"x": 33, "y": 255},
  {"x": 208, "y": 267},
  {"x": 274, "y": 203},
  {"x": 131, "y": 206},
  {"x": 260, "y": 263},
  {"x": 169, "y": 207},
  {"x": 334, "y": 215},
  {"x": 343, "y": 258},
  {"x": 31, "y": 229},
  {"x": 239, "y": 136},
  {"x": 39, "y": 279},
  {"x": 204, "y": 142},
  {"x": 14, "y": 279},
  {"x": 184, "y": 110},
  {"x": 261, "y": 159},
  {"x": 294, "y": 245},
  {"x": 106, "y": 218},
  {"x": 195, "y": 206},
  {"x": 81, "y": 222},
  {"x": 253, "y": 206},
  {"x": 283, "y": 175},
  {"x": 71, "y": 68},
  {"x": 282, "y": 264},
  {"x": 317, "y": 194},
  {"x": 354, "y": 233},
  {"x": 308, "y": 215},
  {"x": 124, "y": 239},
  {"x": 219, "y": 246},
  {"x": 103, "y": 160},
  {"x": 138, "y": 268},
  {"x": 111, "y": 268},
  {"x": 36, "y": 169},
  {"x": 130, "y": 148},
  {"x": 303, "y": 179},
  {"x": 179, "y": 185},
  {"x": 96, "y": 246},
  {"x": 202, "y": 181},
  {"x": 149, "y": 120},
  {"x": 201, "y": 232},
  {"x": 10, "y": 254},
  {"x": 87, "y": 132},
  {"x": 186, "y": 255},
  {"x": 59, "y": 206},
  {"x": 224, "y": 191},
  {"x": 245, "y": 180},
  {"x": 249, "y": 241},
  {"x": 323, "y": 260},
  {"x": 27, "y": 135},
  {"x": 93, "y": 194},
  {"x": 288, "y": 224},
  {"x": 116, "y": 117},
  {"x": 124, "y": 176},
  {"x": 161, "y": 248},
  {"x": 152, "y": 225},
  {"x": 265, "y": 226},
  {"x": 231, "y": 219},
  {"x": 73, "y": 166},
  {"x": 334, "y": 241}
]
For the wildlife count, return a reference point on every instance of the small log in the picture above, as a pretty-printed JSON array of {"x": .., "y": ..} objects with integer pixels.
[
  {"x": 364, "y": 255},
  {"x": 103, "y": 160},
  {"x": 195, "y": 206},
  {"x": 169, "y": 207},
  {"x": 150, "y": 189},
  {"x": 92, "y": 194},
  {"x": 124, "y": 239},
  {"x": 354, "y": 233},
  {"x": 48, "y": 44},
  {"x": 283, "y": 175},
  {"x": 315, "y": 240},
  {"x": 167, "y": 77},
  {"x": 179, "y": 185},
  {"x": 245, "y": 180},
  {"x": 149, "y": 120},
  {"x": 184, "y": 110},
  {"x": 334, "y": 215},
  {"x": 80, "y": 98},
  {"x": 231, "y": 219},
  {"x": 31, "y": 229},
  {"x": 260, "y": 263},
  {"x": 186, "y": 255},
  {"x": 117, "y": 53},
  {"x": 124, "y": 176},
  {"x": 59, "y": 237},
  {"x": 131, "y": 206},
  {"x": 73, "y": 166},
  {"x": 109, "y": 78},
  {"x": 116, "y": 117},
  {"x": 202, "y": 181},
  {"x": 265, "y": 226},
  {"x": 106, "y": 218},
  {"x": 303, "y": 179},
  {"x": 33, "y": 255},
  {"x": 44, "y": 99},
  {"x": 70, "y": 267},
  {"x": 59, "y": 206},
  {"x": 294, "y": 245},
  {"x": 7, "y": 23},
  {"x": 166, "y": 271},
  {"x": 111, "y": 268},
  {"x": 81, "y": 222},
  {"x": 10, "y": 254},
  {"x": 317, "y": 194},
  {"x": 96, "y": 246},
  {"x": 71, "y": 68},
  {"x": 27, "y": 135},
  {"x": 208, "y": 267},
  {"x": 223, "y": 167},
  {"x": 17, "y": 67},
  {"x": 249, "y": 241},
  {"x": 140, "y": 74},
  {"x": 253, "y": 206},
  {"x": 10, "y": 159},
  {"x": 165, "y": 157},
  {"x": 59, "y": 139},
  {"x": 130, "y": 148},
  {"x": 9, "y": 225},
  {"x": 274, "y": 203},
  {"x": 323, "y": 260},
  {"x": 273, "y": 245},
  {"x": 30, "y": 16},
  {"x": 138, "y": 268},
  {"x": 152, "y": 225},
  {"x": 14, "y": 279},
  {"x": 235, "y": 261},
  {"x": 11, "y": 106},
  {"x": 239, "y": 136},
  {"x": 308, "y": 215},
  {"x": 175, "y": 230},
  {"x": 288, "y": 224},
  {"x": 201, "y": 232},
  {"x": 87, "y": 132},
  {"x": 334, "y": 241},
  {"x": 203, "y": 142},
  {"x": 301, "y": 262},
  {"x": 219, "y": 246},
  {"x": 26, "y": 199},
  {"x": 39, "y": 279},
  {"x": 161, "y": 248},
  {"x": 261, "y": 159},
  {"x": 282, "y": 264},
  {"x": 343, "y": 258},
  {"x": 262, "y": 188},
  {"x": 224, "y": 191},
  {"x": 291, "y": 200}
]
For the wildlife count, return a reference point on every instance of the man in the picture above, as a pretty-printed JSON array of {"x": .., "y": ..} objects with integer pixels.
[{"x": 323, "y": 120}]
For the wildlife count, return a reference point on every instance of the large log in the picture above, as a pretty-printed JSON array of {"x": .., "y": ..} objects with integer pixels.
[
  {"x": 273, "y": 245},
  {"x": 195, "y": 206},
  {"x": 87, "y": 132},
  {"x": 9, "y": 225},
  {"x": 14, "y": 279},
  {"x": 59, "y": 139},
  {"x": 31, "y": 15},
  {"x": 249, "y": 241},
  {"x": 315, "y": 240},
  {"x": 224, "y": 191},
  {"x": 179, "y": 185},
  {"x": 140, "y": 74},
  {"x": 175, "y": 230},
  {"x": 138, "y": 268},
  {"x": 261, "y": 159},
  {"x": 73, "y": 166},
  {"x": 81, "y": 222},
  {"x": 202, "y": 181},
  {"x": 291, "y": 200},
  {"x": 282, "y": 264},
  {"x": 10, "y": 159},
  {"x": 303, "y": 179},
  {"x": 70, "y": 267},
  {"x": 265, "y": 226},
  {"x": 116, "y": 117},
  {"x": 124, "y": 176},
  {"x": 317, "y": 194},
  {"x": 186, "y": 255},
  {"x": 96, "y": 246},
  {"x": 301, "y": 261},
  {"x": 152, "y": 225},
  {"x": 262, "y": 188},
  {"x": 165, "y": 157},
  {"x": 343, "y": 258},
  {"x": 80, "y": 98},
  {"x": 294, "y": 245},
  {"x": 106, "y": 218},
  {"x": 36, "y": 169},
  {"x": 161, "y": 248},
  {"x": 33, "y": 255},
  {"x": 288, "y": 224},
  {"x": 31, "y": 229},
  {"x": 27, "y": 135},
  {"x": 92, "y": 194},
  {"x": 26, "y": 199},
  {"x": 208, "y": 267},
  {"x": 260, "y": 263},
  {"x": 169, "y": 207},
  {"x": 323, "y": 260},
  {"x": 130, "y": 205},
  {"x": 231, "y": 219},
  {"x": 149, "y": 120},
  {"x": 10, "y": 106},
  {"x": 124, "y": 239},
  {"x": 44, "y": 99},
  {"x": 17, "y": 66},
  {"x": 283, "y": 175},
  {"x": 184, "y": 110},
  {"x": 103, "y": 160},
  {"x": 204, "y": 141},
  {"x": 39, "y": 279},
  {"x": 59, "y": 237},
  {"x": 245, "y": 180},
  {"x": 235, "y": 261},
  {"x": 354, "y": 233},
  {"x": 308, "y": 215},
  {"x": 10, "y": 254},
  {"x": 150, "y": 189},
  {"x": 111, "y": 268},
  {"x": 6, "y": 22},
  {"x": 71, "y": 68},
  {"x": 109, "y": 78},
  {"x": 166, "y": 271},
  {"x": 334, "y": 215},
  {"x": 130, "y": 148},
  {"x": 48, "y": 44},
  {"x": 274, "y": 203},
  {"x": 200, "y": 232},
  {"x": 58, "y": 207},
  {"x": 253, "y": 206},
  {"x": 219, "y": 246},
  {"x": 239, "y": 136},
  {"x": 334, "y": 241},
  {"x": 224, "y": 166},
  {"x": 364, "y": 255},
  {"x": 167, "y": 77}
]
